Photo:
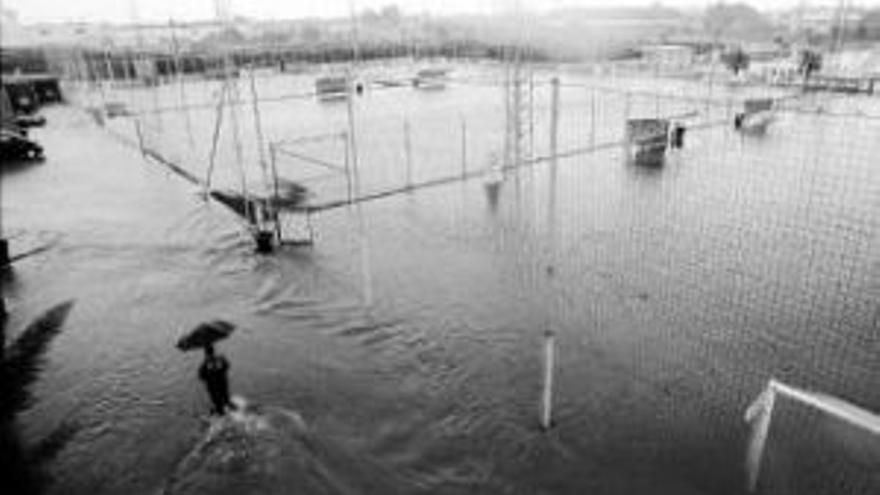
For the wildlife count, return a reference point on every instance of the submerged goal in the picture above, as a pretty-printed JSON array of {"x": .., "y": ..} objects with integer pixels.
[{"x": 810, "y": 443}]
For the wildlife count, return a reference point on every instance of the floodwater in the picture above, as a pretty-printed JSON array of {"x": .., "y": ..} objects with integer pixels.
[{"x": 675, "y": 294}]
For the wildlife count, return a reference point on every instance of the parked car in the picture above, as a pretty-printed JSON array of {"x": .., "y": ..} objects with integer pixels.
[
  {"x": 27, "y": 121},
  {"x": 22, "y": 98},
  {"x": 15, "y": 145}
]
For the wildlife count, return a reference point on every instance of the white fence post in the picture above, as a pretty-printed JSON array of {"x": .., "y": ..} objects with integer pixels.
[
  {"x": 547, "y": 392},
  {"x": 407, "y": 150}
]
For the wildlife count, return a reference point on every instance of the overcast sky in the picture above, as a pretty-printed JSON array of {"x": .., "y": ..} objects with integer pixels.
[{"x": 162, "y": 10}]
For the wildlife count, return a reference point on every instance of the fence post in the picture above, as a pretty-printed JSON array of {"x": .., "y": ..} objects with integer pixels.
[
  {"x": 366, "y": 275},
  {"x": 554, "y": 124},
  {"x": 593, "y": 119},
  {"x": 407, "y": 149},
  {"x": 273, "y": 157},
  {"x": 547, "y": 392},
  {"x": 140, "y": 136},
  {"x": 463, "y": 148},
  {"x": 760, "y": 412},
  {"x": 346, "y": 160},
  {"x": 531, "y": 151},
  {"x": 546, "y": 418},
  {"x": 627, "y": 145}
]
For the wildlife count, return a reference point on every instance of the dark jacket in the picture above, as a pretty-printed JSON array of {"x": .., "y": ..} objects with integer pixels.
[{"x": 214, "y": 371}]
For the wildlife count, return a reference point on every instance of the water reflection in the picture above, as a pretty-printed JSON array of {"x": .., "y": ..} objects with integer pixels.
[
  {"x": 677, "y": 294},
  {"x": 22, "y": 361}
]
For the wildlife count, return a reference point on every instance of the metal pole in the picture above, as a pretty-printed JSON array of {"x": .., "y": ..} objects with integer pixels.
[
  {"x": 258, "y": 126},
  {"x": 761, "y": 411},
  {"x": 407, "y": 149},
  {"x": 139, "y": 132},
  {"x": 108, "y": 66},
  {"x": 180, "y": 84},
  {"x": 130, "y": 78},
  {"x": 355, "y": 41},
  {"x": 711, "y": 82},
  {"x": 362, "y": 227},
  {"x": 531, "y": 151},
  {"x": 349, "y": 187},
  {"x": 99, "y": 82},
  {"x": 554, "y": 126},
  {"x": 463, "y": 148},
  {"x": 4, "y": 263},
  {"x": 352, "y": 138},
  {"x": 215, "y": 139},
  {"x": 273, "y": 157},
  {"x": 1, "y": 189},
  {"x": 236, "y": 141},
  {"x": 593, "y": 119},
  {"x": 152, "y": 69},
  {"x": 549, "y": 339},
  {"x": 4, "y": 243},
  {"x": 627, "y": 146},
  {"x": 547, "y": 391},
  {"x": 506, "y": 163},
  {"x": 517, "y": 114}
]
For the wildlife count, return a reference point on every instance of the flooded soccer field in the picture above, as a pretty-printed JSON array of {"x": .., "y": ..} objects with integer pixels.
[{"x": 676, "y": 292}]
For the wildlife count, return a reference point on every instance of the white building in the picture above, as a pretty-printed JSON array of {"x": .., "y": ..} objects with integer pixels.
[
  {"x": 820, "y": 20},
  {"x": 12, "y": 33},
  {"x": 106, "y": 35},
  {"x": 668, "y": 56}
]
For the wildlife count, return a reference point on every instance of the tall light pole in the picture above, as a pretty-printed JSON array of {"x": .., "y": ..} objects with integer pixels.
[
  {"x": 5, "y": 110},
  {"x": 6, "y": 118},
  {"x": 4, "y": 243},
  {"x": 223, "y": 11}
]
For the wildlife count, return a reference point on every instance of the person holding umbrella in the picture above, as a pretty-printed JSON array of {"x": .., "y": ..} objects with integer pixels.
[{"x": 214, "y": 370}]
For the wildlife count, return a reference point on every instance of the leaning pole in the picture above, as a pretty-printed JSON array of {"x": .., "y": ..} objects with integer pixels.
[{"x": 4, "y": 252}]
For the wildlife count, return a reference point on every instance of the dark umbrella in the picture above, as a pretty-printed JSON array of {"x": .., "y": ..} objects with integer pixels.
[{"x": 205, "y": 334}]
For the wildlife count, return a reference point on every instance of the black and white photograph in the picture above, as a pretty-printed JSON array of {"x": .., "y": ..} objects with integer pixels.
[{"x": 448, "y": 247}]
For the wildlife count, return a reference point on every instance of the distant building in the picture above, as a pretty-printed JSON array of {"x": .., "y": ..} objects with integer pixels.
[
  {"x": 821, "y": 21},
  {"x": 764, "y": 51},
  {"x": 853, "y": 63},
  {"x": 668, "y": 56},
  {"x": 69, "y": 34},
  {"x": 109, "y": 36},
  {"x": 869, "y": 25},
  {"x": 12, "y": 33},
  {"x": 778, "y": 71},
  {"x": 91, "y": 35}
]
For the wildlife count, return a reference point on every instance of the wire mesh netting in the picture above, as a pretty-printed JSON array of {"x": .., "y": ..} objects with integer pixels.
[{"x": 741, "y": 257}]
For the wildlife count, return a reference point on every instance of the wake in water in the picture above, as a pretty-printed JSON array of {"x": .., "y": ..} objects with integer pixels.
[{"x": 263, "y": 450}]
